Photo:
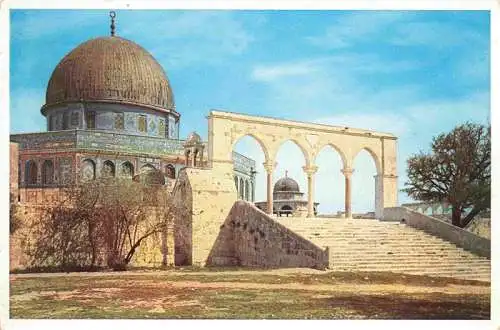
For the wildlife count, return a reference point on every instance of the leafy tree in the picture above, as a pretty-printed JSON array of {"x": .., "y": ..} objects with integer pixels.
[{"x": 457, "y": 171}]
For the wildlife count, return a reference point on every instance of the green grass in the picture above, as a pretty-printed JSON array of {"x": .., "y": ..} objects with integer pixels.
[{"x": 154, "y": 295}]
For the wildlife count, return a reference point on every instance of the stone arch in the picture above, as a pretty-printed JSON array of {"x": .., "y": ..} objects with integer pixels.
[
  {"x": 87, "y": 171},
  {"x": 225, "y": 128},
  {"x": 285, "y": 209},
  {"x": 31, "y": 172},
  {"x": 48, "y": 172},
  {"x": 236, "y": 181},
  {"x": 170, "y": 171},
  {"x": 256, "y": 138},
  {"x": 375, "y": 158},
  {"x": 195, "y": 156},
  {"x": 339, "y": 151},
  {"x": 361, "y": 180},
  {"x": 147, "y": 168},
  {"x": 127, "y": 169},
  {"x": 108, "y": 169},
  {"x": 330, "y": 160},
  {"x": 305, "y": 153}
]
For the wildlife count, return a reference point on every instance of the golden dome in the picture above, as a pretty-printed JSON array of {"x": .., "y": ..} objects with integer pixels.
[{"x": 110, "y": 69}]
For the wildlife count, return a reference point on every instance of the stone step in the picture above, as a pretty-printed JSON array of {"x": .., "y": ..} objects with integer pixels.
[
  {"x": 372, "y": 245},
  {"x": 373, "y": 248},
  {"x": 362, "y": 233},
  {"x": 362, "y": 240},
  {"x": 407, "y": 258},
  {"x": 411, "y": 268},
  {"x": 419, "y": 263},
  {"x": 403, "y": 258}
]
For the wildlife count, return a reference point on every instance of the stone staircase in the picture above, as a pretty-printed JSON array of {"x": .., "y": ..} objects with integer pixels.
[{"x": 371, "y": 245}]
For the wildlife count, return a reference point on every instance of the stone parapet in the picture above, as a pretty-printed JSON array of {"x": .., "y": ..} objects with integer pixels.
[{"x": 458, "y": 236}]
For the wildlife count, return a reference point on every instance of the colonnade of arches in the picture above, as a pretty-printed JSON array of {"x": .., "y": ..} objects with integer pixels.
[
  {"x": 309, "y": 167},
  {"x": 245, "y": 188}
]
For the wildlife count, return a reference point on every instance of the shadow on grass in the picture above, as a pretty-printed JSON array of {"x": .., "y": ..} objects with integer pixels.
[{"x": 430, "y": 306}]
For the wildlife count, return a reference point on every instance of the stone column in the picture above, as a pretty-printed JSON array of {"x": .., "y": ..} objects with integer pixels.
[
  {"x": 310, "y": 171},
  {"x": 379, "y": 202},
  {"x": 348, "y": 173},
  {"x": 269, "y": 167},
  {"x": 193, "y": 156}
]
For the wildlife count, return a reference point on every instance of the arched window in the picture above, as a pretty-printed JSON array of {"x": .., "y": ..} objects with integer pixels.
[
  {"x": 127, "y": 170},
  {"x": 147, "y": 168},
  {"x": 285, "y": 210},
  {"x": 87, "y": 172},
  {"x": 31, "y": 172},
  {"x": 242, "y": 187},
  {"x": 236, "y": 182},
  {"x": 247, "y": 197},
  {"x": 48, "y": 172},
  {"x": 108, "y": 169},
  {"x": 170, "y": 171},
  {"x": 65, "y": 120}
]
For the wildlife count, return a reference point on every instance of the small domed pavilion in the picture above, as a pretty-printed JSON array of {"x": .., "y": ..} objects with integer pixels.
[{"x": 287, "y": 199}]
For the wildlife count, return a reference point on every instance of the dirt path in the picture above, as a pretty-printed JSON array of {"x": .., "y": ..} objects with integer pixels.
[
  {"x": 282, "y": 271},
  {"x": 348, "y": 288}
]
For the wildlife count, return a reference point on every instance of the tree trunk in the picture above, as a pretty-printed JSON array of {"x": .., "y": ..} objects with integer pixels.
[
  {"x": 456, "y": 215},
  {"x": 469, "y": 217}
]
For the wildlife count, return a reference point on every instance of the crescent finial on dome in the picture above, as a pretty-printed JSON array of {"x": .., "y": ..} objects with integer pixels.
[{"x": 112, "y": 14}]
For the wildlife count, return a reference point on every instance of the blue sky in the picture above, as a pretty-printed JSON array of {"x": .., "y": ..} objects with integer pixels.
[{"x": 411, "y": 73}]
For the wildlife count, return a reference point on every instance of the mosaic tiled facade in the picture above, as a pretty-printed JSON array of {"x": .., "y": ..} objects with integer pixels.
[{"x": 52, "y": 159}]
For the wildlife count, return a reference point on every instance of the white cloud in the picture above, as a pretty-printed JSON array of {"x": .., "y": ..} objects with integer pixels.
[{"x": 273, "y": 72}]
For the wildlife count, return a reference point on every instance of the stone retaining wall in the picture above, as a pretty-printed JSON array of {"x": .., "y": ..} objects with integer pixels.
[
  {"x": 460, "y": 237},
  {"x": 155, "y": 251},
  {"x": 257, "y": 240}
]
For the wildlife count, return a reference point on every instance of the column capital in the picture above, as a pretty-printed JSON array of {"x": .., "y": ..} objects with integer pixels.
[
  {"x": 310, "y": 170},
  {"x": 269, "y": 166},
  {"x": 347, "y": 172}
]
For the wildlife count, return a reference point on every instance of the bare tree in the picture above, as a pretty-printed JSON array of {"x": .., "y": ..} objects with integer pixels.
[
  {"x": 102, "y": 219},
  {"x": 457, "y": 171},
  {"x": 130, "y": 213},
  {"x": 66, "y": 233}
]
